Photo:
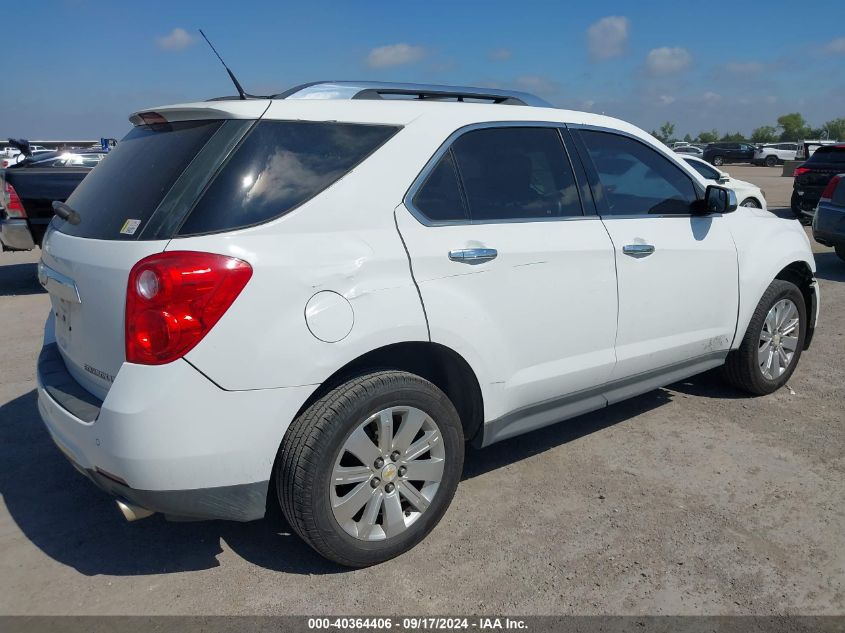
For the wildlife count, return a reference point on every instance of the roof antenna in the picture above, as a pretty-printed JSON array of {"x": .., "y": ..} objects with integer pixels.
[{"x": 243, "y": 95}]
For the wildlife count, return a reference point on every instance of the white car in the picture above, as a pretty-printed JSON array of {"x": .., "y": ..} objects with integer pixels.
[
  {"x": 749, "y": 195},
  {"x": 774, "y": 153},
  {"x": 316, "y": 301}
]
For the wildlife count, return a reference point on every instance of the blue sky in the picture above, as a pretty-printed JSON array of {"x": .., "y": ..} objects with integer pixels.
[{"x": 725, "y": 65}]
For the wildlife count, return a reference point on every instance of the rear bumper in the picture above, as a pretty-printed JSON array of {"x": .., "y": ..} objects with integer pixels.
[
  {"x": 15, "y": 234},
  {"x": 169, "y": 440}
]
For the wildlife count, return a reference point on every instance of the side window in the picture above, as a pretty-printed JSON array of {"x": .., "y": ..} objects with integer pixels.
[
  {"x": 519, "y": 173},
  {"x": 637, "y": 179},
  {"x": 439, "y": 199},
  {"x": 277, "y": 167}
]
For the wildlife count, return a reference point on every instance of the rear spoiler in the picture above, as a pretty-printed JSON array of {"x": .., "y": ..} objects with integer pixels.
[{"x": 250, "y": 109}]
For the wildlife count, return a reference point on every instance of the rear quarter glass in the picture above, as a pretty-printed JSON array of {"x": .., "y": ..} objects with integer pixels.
[
  {"x": 279, "y": 166},
  {"x": 117, "y": 198}
]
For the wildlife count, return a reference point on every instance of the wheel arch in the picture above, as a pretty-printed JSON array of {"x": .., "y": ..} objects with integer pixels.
[{"x": 437, "y": 363}]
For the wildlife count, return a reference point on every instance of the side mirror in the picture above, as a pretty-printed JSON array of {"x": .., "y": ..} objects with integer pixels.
[{"x": 719, "y": 200}]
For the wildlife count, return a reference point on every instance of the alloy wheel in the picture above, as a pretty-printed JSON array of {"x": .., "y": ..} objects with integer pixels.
[
  {"x": 778, "y": 339},
  {"x": 387, "y": 473}
]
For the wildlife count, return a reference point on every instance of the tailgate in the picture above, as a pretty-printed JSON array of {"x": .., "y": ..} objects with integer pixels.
[{"x": 86, "y": 280}]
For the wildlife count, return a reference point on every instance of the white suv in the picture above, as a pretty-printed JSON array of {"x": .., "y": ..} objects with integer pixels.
[
  {"x": 774, "y": 154},
  {"x": 316, "y": 300}
]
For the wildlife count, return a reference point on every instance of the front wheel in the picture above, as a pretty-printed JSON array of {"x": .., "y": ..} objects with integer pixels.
[
  {"x": 369, "y": 469},
  {"x": 771, "y": 161},
  {"x": 751, "y": 202},
  {"x": 772, "y": 345},
  {"x": 718, "y": 161}
]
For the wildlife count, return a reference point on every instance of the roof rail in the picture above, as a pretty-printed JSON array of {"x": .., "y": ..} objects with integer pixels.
[{"x": 422, "y": 92}]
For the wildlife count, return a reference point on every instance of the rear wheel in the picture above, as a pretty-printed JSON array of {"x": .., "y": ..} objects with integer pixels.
[
  {"x": 751, "y": 202},
  {"x": 718, "y": 160},
  {"x": 368, "y": 470},
  {"x": 771, "y": 161},
  {"x": 772, "y": 345},
  {"x": 840, "y": 250}
]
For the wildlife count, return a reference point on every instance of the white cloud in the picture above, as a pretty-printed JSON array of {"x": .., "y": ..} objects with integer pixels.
[
  {"x": 394, "y": 55},
  {"x": 745, "y": 68},
  {"x": 836, "y": 47},
  {"x": 500, "y": 54},
  {"x": 667, "y": 61},
  {"x": 665, "y": 100},
  {"x": 178, "y": 39},
  {"x": 711, "y": 97},
  {"x": 607, "y": 37}
]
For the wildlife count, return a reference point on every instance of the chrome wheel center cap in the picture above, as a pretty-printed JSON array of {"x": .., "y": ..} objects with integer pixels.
[
  {"x": 389, "y": 473},
  {"x": 776, "y": 339}
]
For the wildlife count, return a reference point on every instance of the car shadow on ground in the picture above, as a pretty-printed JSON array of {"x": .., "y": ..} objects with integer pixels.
[
  {"x": 19, "y": 279},
  {"x": 71, "y": 521}
]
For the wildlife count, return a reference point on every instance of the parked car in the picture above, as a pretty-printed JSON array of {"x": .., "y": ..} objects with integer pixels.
[
  {"x": 689, "y": 149},
  {"x": 750, "y": 195},
  {"x": 812, "y": 177},
  {"x": 28, "y": 189},
  {"x": 829, "y": 217},
  {"x": 774, "y": 153},
  {"x": 280, "y": 303},
  {"x": 722, "y": 153}
]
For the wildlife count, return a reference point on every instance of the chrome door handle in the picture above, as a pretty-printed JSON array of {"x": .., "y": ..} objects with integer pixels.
[
  {"x": 473, "y": 255},
  {"x": 638, "y": 250}
]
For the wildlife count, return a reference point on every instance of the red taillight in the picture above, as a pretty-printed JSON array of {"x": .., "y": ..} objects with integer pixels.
[
  {"x": 14, "y": 206},
  {"x": 173, "y": 299},
  {"x": 827, "y": 194},
  {"x": 800, "y": 170}
]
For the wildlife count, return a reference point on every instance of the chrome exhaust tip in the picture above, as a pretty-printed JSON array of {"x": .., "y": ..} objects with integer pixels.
[{"x": 132, "y": 512}]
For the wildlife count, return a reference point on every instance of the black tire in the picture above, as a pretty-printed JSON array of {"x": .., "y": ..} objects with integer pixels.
[
  {"x": 718, "y": 161},
  {"x": 751, "y": 202},
  {"x": 771, "y": 161},
  {"x": 741, "y": 368},
  {"x": 316, "y": 438},
  {"x": 840, "y": 251},
  {"x": 795, "y": 205}
]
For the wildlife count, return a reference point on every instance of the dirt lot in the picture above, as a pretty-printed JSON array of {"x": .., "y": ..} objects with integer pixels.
[{"x": 691, "y": 499}]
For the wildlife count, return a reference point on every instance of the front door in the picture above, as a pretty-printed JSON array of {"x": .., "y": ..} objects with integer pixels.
[{"x": 678, "y": 287}]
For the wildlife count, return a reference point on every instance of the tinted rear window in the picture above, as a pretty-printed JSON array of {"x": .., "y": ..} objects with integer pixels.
[
  {"x": 129, "y": 183},
  {"x": 828, "y": 155},
  {"x": 277, "y": 167}
]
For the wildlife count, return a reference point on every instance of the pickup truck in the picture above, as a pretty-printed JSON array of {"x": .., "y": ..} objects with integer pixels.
[{"x": 28, "y": 189}]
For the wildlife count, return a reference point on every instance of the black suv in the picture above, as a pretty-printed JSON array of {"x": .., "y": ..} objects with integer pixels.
[
  {"x": 721, "y": 153},
  {"x": 812, "y": 177}
]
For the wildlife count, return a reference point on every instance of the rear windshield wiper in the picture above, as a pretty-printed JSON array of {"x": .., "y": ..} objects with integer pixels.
[{"x": 66, "y": 213}]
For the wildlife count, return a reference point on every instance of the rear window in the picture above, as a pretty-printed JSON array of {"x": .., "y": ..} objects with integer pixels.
[
  {"x": 277, "y": 167},
  {"x": 115, "y": 200},
  {"x": 828, "y": 155}
]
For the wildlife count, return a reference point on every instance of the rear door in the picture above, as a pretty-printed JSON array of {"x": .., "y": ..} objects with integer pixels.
[
  {"x": 511, "y": 272},
  {"x": 678, "y": 289},
  {"x": 128, "y": 207}
]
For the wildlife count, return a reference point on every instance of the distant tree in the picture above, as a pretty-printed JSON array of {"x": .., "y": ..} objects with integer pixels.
[
  {"x": 708, "y": 137},
  {"x": 835, "y": 129},
  {"x": 793, "y": 127},
  {"x": 687, "y": 138},
  {"x": 764, "y": 134},
  {"x": 667, "y": 130},
  {"x": 736, "y": 137}
]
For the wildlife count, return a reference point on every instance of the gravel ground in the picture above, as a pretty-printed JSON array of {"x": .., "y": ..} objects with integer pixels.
[{"x": 687, "y": 500}]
